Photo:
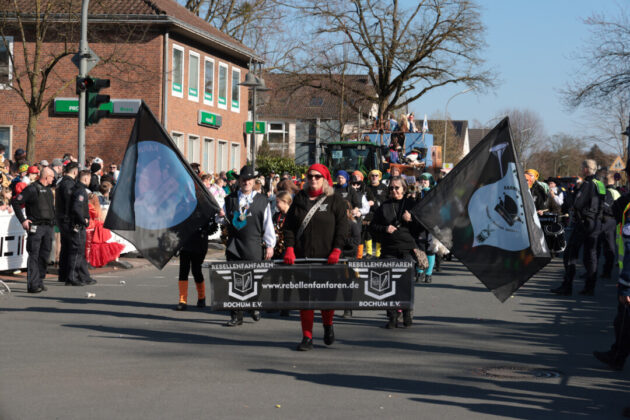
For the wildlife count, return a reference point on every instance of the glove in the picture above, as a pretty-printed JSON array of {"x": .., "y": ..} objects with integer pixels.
[
  {"x": 289, "y": 256},
  {"x": 333, "y": 258}
]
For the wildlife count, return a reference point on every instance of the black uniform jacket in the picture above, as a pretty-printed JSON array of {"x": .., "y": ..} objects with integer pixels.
[
  {"x": 38, "y": 202},
  {"x": 79, "y": 210},
  {"x": 63, "y": 197},
  {"x": 327, "y": 229}
]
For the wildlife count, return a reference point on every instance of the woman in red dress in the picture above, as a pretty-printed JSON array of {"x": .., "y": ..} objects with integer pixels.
[{"x": 98, "y": 251}]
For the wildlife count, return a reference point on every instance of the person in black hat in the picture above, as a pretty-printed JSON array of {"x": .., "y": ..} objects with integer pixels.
[{"x": 250, "y": 224}]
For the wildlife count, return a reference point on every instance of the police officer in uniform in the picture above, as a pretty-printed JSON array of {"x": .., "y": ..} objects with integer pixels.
[
  {"x": 586, "y": 219},
  {"x": 250, "y": 225},
  {"x": 78, "y": 274},
  {"x": 39, "y": 204},
  {"x": 63, "y": 197}
]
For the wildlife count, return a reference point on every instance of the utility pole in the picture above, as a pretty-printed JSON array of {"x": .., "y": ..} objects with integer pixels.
[{"x": 84, "y": 53}]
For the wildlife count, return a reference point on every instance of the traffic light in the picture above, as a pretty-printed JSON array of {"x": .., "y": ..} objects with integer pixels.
[{"x": 92, "y": 86}]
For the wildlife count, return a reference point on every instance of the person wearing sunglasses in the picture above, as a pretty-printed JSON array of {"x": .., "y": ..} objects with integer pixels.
[
  {"x": 397, "y": 230},
  {"x": 323, "y": 236}
]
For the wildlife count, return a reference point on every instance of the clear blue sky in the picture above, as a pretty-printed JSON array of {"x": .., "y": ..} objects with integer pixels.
[{"x": 530, "y": 46}]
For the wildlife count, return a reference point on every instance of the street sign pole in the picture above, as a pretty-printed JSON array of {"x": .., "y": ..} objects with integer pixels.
[{"x": 83, "y": 54}]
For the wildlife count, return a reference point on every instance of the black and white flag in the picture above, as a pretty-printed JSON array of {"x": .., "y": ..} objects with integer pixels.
[
  {"x": 484, "y": 214},
  {"x": 158, "y": 200}
]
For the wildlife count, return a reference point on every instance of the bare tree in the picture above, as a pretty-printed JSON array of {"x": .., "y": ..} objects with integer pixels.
[
  {"x": 44, "y": 36},
  {"x": 404, "y": 52},
  {"x": 527, "y": 130},
  {"x": 263, "y": 25},
  {"x": 604, "y": 61},
  {"x": 609, "y": 120}
]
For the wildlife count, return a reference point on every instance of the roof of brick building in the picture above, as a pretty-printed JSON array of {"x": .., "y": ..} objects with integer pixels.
[
  {"x": 311, "y": 96},
  {"x": 165, "y": 11}
]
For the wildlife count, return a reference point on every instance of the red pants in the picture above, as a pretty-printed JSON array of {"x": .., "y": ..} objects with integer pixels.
[{"x": 306, "y": 317}]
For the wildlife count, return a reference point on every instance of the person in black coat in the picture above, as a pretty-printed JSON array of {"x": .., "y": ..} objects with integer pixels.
[
  {"x": 323, "y": 237},
  {"x": 398, "y": 231}
]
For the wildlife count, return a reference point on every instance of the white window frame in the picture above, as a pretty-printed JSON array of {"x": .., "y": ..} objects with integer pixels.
[
  {"x": 206, "y": 101},
  {"x": 9, "y": 150},
  {"x": 222, "y": 163},
  {"x": 227, "y": 86},
  {"x": 9, "y": 40},
  {"x": 209, "y": 156},
  {"x": 173, "y": 81},
  {"x": 178, "y": 135},
  {"x": 235, "y": 147},
  {"x": 194, "y": 156},
  {"x": 194, "y": 98},
  {"x": 236, "y": 108}
]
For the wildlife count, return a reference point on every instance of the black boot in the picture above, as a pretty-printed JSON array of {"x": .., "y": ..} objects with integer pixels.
[
  {"x": 236, "y": 320},
  {"x": 181, "y": 306},
  {"x": 608, "y": 358},
  {"x": 419, "y": 277},
  {"x": 347, "y": 313},
  {"x": 329, "y": 335},
  {"x": 74, "y": 283},
  {"x": 201, "y": 303},
  {"x": 427, "y": 278},
  {"x": 306, "y": 344},
  {"x": 407, "y": 318},
  {"x": 393, "y": 320},
  {"x": 255, "y": 315}
]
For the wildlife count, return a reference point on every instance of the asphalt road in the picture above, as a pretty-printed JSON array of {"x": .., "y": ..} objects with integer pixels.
[{"x": 126, "y": 354}]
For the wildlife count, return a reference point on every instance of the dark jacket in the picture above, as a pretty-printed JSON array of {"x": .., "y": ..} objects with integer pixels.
[
  {"x": 38, "y": 203},
  {"x": 79, "y": 210},
  {"x": 588, "y": 206},
  {"x": 63, "y": 196},
  {"x": 353, "y": 239},
  {"x": 327, "y": 229},
  {"x": 349, "y": 194},
  {"x": 404, "y": 238}
]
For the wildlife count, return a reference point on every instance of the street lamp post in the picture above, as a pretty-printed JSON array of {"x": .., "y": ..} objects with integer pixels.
[
  {"x": 555, "y": 164},
  {"x": 256, "y": 84},
  {"x": 446, "y": 120}
]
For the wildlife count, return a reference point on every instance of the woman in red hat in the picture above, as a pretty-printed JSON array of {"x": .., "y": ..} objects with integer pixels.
[{"x": 322, "y": 237}]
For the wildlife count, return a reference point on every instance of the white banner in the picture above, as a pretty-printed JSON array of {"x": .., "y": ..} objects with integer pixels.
[{"x": 13, "y": 254}]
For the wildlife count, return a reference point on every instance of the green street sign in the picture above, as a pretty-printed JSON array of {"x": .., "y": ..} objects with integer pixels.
[
  {"x": 261, "y": 127},
  {"x": 118, "y": 107},
  {"x": 209, "y": 119},
  {"x": 66, "y": 106}
]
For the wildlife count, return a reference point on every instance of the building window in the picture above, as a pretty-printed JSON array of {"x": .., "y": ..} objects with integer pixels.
[
  {"x": 6, "y": 54},
  {"x": 222, "y": 156},
  {"x": 193, "y": 149},
  {"x": 223, "y": 85},
  {"x": 5, "y": 140},
  {"x": 208, "y": 155},
  {"x": 235, "y": 156},
  {"x": 208, "y": 81},
  {"x": 236, "y": 90},
  {"x": 277, "y": 136},
  {"x": 178, "y": 138},
  {"x": 178, "y": 71},
  {"x": 193, "y": 76}
]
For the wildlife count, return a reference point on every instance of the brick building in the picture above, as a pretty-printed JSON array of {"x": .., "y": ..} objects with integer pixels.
[{"x": 186, "y": 70}]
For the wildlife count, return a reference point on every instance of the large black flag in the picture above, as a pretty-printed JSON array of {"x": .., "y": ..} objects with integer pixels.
[
  {"x": 483, "y": 212},
  {"x": 158, "y": 200}
]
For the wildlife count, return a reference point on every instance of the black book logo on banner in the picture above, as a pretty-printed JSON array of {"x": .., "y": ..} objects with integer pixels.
[
  {"x": 243, "y": 285},
  {"x": 380, "y": 284}
]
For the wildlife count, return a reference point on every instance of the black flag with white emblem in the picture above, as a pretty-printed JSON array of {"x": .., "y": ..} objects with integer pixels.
[
  {"x": 484, "y": 214},
  {"x": 158, "y": 199}
]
